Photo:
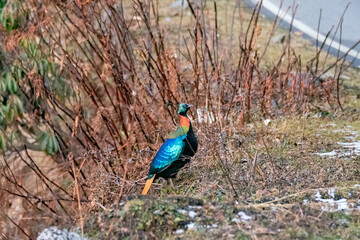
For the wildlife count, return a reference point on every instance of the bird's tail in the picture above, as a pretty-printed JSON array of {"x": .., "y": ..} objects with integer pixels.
[{"x": 147, "y": 185}]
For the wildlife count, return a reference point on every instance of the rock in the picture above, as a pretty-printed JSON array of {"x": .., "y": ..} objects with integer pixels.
[{"x": 53, "y": 233}]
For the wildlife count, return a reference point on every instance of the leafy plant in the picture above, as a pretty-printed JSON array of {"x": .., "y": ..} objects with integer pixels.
[
  {"x": 48, "y": 143},
  {"x": 8, "y": 19}
]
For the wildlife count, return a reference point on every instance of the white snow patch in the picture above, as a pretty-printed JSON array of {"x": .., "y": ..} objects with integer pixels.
[
  {"x": 182, "y": 211},
  {"x": 243, "y": 216},
  {"x": 339, "y": 130},
  {"x": 346, "y": 148},
  {"x": 195, "y": 207},
  {"x": 332, "y": 205},
  {"x": 156, "y": 212},
  {"x": 192, "y": 214},
  {"x": 267, "y": 121},
  {"x": 327, "y": 154},
  {"x": 355, "y": 146},
  {"x": 211, "y": 227},
  {"x": 191, "y": 226}
]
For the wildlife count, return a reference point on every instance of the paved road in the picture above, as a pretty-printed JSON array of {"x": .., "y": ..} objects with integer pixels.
[{"x": 307, "y": 16}]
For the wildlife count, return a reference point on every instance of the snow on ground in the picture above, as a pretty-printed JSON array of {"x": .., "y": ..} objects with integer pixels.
[
  {"x": 346, "y": 149},
  {"x": 329, "y": 204}
]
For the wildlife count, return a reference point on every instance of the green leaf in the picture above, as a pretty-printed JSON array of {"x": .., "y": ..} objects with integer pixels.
[
  {"x": 53, "y": 68},
  {"x": 25, "y": 43},
  {"x": 42, "y": 137},
  {"x": 2, "y": 142},
  {"x": 48, "y": 143},
  {"x": 2, "y": 3},
  {"x": 13, "y": 136},
  {"x": 52, "y": 145},
  {"x": 19, "y": 74},
  {"x": 8, "y": 112},
  {"x": 55, "y": 144},
  {"x": 12, "y": 85},
  {"x": 3, "y": 83},
  {"x": 9, "y": 22},
  {"x": 32, "y": 49},
  {"x": 6, "y": 81},
  {"x": 19, "y": 105},
  {"x": 1, "y": 116},
  {"x": 11, "y": 115},
  {"x": 43, "y": 67},
  {"x": 44, "y": 142},
  {"x": 16, "y": 105}
]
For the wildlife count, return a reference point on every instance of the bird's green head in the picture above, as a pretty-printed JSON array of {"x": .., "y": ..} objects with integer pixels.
[{"x": 183, "y": 108}]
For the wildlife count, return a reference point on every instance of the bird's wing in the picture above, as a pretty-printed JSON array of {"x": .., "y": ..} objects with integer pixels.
[
  {"x": 169, "y": 152},
  {"x": 180, "y": 131}
]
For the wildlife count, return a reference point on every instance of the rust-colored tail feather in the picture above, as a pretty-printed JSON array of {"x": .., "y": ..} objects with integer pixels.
[{"x": 147, "y": 185}]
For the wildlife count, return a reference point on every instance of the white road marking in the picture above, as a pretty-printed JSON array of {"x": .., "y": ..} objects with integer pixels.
[{"x": 306, "y": 29}]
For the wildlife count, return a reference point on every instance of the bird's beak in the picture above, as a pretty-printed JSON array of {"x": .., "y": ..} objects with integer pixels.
[{"x": 189, "y": 105}]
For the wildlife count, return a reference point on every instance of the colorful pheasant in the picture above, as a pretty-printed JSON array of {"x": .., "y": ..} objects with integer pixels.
[{"x": 175, "y": 151}]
